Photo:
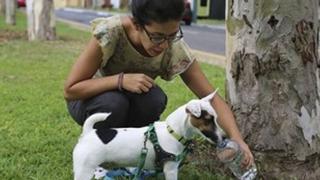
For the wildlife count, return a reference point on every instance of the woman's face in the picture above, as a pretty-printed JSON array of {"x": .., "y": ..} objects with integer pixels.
[{"x": 156, "y": 37}]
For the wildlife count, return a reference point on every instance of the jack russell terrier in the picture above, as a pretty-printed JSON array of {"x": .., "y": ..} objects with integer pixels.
[{"x": 122, "y": 146}]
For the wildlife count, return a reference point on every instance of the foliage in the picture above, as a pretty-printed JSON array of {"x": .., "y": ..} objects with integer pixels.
[{"x": 37, "y": 133}]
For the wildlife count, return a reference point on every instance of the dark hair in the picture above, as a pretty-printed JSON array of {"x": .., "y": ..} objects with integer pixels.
[{"x": 145, "y": 11}]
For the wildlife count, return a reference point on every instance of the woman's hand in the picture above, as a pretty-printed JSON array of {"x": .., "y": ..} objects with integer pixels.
[
  {"x": 248, "y": 159},
  {"x": 137, "y": 83}
]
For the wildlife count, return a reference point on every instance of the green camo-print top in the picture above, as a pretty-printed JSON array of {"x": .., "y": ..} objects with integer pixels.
[{"x": 119, "y": 55}]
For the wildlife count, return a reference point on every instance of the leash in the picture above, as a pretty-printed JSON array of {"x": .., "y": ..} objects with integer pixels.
[
  {"x": 161, "y": 155},
  {"x": 177, "y": 136},
  {"x": 182, "y": 140},
  {"x": 143, "y": 154}
]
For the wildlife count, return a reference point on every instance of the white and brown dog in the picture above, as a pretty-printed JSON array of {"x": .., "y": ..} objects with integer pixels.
[{"x": 122, "y": 146}]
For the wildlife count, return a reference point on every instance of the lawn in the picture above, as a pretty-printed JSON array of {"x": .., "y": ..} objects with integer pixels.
[{"x": 37, "y": 134}]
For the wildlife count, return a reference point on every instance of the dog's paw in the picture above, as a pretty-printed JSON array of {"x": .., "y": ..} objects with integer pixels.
[{"x": 100, "y": 173}]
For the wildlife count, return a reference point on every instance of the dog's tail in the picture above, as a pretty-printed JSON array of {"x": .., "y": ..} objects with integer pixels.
[{"x": 91, "y": 120}]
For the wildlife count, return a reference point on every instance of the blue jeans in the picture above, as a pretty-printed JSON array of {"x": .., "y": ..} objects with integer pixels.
[{"x": 127, "y": 109}]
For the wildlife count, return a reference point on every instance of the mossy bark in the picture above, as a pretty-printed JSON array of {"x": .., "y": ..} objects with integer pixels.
[{"x": 273, "y": 83}]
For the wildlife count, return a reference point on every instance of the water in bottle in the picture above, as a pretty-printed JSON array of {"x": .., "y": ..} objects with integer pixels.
[{"x": 230, "y": 153}]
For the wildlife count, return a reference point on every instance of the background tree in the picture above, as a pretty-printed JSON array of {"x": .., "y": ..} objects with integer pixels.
[
  {"x": 273, "y": 81},
  {"x": 106, "y": 4},
  {"x": 41, "y": 20},
  {"x": 10, "y": 12},
  {"x": 2, "y": 7},
  {"x": 124, "y": 4}
]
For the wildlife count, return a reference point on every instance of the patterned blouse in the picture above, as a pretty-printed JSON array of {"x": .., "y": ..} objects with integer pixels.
[{"x": 119, "y": 55}]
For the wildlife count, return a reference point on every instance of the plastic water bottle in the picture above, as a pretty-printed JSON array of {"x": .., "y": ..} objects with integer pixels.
[{"x": 230, "y": 153}]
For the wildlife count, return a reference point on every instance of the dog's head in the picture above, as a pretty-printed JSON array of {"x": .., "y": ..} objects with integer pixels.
[{"x": 204, "y": 118}]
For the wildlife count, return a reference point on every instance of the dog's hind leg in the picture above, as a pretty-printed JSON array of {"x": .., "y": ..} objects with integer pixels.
[
  {"x": 84, "y": 173},
  {"x": 82, "y": 169},
  {"x": 170, "y": 170}
]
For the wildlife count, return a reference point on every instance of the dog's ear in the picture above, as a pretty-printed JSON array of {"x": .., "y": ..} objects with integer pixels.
[
  {"x": 210, "y": 96},
  {"x": 194, "y": 107},
  {"x": 206, "y": 106}
]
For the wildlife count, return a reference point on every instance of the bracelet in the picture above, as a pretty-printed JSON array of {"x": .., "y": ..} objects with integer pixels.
[{"x": 120, "y": 80}]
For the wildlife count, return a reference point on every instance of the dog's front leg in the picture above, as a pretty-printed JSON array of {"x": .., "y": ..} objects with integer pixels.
[{"x": 170, "y": 170}]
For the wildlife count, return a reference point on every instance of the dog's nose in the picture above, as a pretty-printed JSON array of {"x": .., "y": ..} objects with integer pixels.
[{"x": 211, "y": 135}]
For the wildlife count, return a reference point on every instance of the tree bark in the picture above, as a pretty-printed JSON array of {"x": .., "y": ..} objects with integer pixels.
[
  {"x": 41, "y": 20},
  {"x": 273, "y": 83},
  {"x": 2, "y": 7},
  {"x": 10, "y": 12}
]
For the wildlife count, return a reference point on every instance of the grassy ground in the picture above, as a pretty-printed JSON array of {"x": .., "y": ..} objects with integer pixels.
[{"x": 37, "y": 134}]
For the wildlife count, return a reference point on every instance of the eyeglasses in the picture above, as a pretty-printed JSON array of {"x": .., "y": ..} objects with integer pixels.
[{"x": 159, "y": 39}]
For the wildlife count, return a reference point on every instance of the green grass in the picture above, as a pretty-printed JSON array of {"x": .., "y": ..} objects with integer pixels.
[
  {"x": 37, "y": 133},
  {"x": 211, "y": 22}
]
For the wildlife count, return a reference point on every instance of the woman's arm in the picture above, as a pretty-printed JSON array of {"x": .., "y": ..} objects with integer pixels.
[
  {"x": 195, "y": 79},
  {"x": 79, "y": 84}
]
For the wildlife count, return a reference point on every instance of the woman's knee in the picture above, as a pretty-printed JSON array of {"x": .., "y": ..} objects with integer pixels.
[
  {"x": 158, "y": 99},
  {"x": 153, "y": 101},
  {"x": 147, "y": 108},
  {"x": 114, "y": 102}
]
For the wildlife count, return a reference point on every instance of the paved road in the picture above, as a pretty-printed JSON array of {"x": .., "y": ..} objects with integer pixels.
[
  {"x": 209, "y": 39},
  {"x": 204, "y": 38}
]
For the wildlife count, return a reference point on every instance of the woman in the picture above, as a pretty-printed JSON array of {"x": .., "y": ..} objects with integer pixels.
[{"x": 116, "y": 72}]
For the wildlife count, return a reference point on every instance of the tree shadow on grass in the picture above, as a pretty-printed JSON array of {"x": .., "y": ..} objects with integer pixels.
[{"x": 7, "y": 35}]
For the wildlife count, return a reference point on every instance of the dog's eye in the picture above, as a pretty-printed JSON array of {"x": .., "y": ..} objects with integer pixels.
[{"x": 208, "y": 117}]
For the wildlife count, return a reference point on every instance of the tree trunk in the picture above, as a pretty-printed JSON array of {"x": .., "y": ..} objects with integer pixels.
[
  {"x": 124, "y": 4},
  {"x": 10, "y": 12},
  {"x": 273, "y": 83},
  {"x": 41, "y": 20},
  {"x": 106, "y": 4},
  {"x": 2, "y": 7},
  {"x": 87, "y": 3},
  {"x": 95, "y": 4}
]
